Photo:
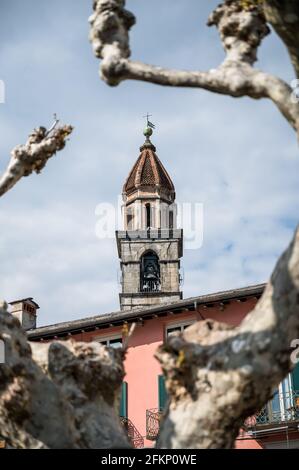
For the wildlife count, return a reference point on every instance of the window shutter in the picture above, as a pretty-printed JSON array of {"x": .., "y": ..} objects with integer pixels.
[
  {"x": 123, "y": 411},
  {"x": 295, "y": 378},
  {"x": 162, "y": 392}
]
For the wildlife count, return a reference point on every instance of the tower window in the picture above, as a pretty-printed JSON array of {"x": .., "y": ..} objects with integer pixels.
[
  {"x": 148, "y": 215},
  {"x": 130, "y": 218},
  {"x": 150, "y": 273},
  {"x": 129, "y": 221},
  {"x": 171, "y": 219}
]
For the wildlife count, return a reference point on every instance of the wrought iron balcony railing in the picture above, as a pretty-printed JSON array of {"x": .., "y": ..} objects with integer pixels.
[
  {"x": 150, "y": 286},
  {"x": 281, "y": 413},
  {"x": 153, "y": 418},
  {"x": 132, "y": 432},
  {"x": 282, "y": 409}
]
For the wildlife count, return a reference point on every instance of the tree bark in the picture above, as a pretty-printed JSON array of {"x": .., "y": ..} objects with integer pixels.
[
  {"x": 66, "y": 395},
  {"x": 283, "y": 15},
  {"x": 33, "y": 156},
  {"x": 217, "y": 376},
  {"x": 241, "y": 25},
  {"x": 58, "y": 395}
]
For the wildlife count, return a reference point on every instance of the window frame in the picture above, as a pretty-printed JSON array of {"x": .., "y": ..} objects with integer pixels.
[
  {"x": 280, "y": 406},
  {"x": 107, "y": 338},
  {"x": 178, "y": 324}
]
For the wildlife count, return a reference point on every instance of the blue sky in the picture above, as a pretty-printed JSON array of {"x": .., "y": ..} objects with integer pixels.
[{"x": 236, "y": 156}]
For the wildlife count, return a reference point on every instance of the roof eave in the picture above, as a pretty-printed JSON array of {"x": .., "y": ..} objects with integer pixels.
[{"x": 119, "y": 317}]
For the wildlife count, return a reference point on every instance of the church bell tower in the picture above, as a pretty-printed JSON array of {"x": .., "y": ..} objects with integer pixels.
[{"x": 150, "y": 246}]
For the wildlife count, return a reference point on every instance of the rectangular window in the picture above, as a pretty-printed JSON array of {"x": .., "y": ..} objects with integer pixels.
[
  {"x": 281, "y": 405},
  {"x": 284, "y": 406},
  {"x": 114, "y": 341},
  {"x": 148, "y": 215},
  {"x": 130, "y": 218},
  {"x": 171, "y": 219},
  {"x": 177, "y": 327}
]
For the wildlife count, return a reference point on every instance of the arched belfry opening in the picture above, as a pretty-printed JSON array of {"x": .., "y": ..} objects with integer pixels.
[
  {"x": 150, "y": 272},
  {"x": 150, "y": 246}
]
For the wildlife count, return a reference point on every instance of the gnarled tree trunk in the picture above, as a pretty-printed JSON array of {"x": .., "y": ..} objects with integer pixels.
[{"x": 58, "y": 395}]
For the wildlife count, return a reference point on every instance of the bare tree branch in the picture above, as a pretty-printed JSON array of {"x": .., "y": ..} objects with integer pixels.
[
  {"x": 217, "y": 376},
  {"x": 33, "y": 156},
  {"x": 241, "y": 30},
  {"x": 283, "y": 15}
]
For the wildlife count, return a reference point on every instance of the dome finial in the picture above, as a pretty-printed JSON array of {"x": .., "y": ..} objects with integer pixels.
[{"x": 148, "y": 131}]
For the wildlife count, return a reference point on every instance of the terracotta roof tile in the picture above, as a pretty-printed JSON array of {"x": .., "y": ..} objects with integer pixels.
[{"x": 148, "y": 171}]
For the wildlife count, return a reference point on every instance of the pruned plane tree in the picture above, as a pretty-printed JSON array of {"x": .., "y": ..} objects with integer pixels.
[{"x": 216, "y": 375}]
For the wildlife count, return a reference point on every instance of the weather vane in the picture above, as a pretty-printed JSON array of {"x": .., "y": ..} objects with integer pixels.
[{"x": 148, "y": 122}]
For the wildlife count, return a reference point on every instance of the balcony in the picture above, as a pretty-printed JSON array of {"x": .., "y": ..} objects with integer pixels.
[
  {"x": 153, "y": 419},
  {"x": 281, "y": 412},
  {"x": 132, "y": 432},
  {"x": 283, "y": 408},
  {"x": 150, "y": 286}
]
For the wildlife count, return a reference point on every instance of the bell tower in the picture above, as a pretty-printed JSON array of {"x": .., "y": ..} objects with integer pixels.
[{"x": 150, "y": 246}]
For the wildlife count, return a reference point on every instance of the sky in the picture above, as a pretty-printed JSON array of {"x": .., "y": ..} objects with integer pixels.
[{"x": 237, "y": 157}]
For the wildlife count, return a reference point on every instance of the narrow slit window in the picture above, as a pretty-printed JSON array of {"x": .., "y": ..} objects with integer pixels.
[
  {"x": 171, "y": 219},
  {"x": 148, "y": 215}
]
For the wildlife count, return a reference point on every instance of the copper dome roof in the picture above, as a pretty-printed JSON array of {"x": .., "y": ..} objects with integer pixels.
[{"x": 148, "y": 171}]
